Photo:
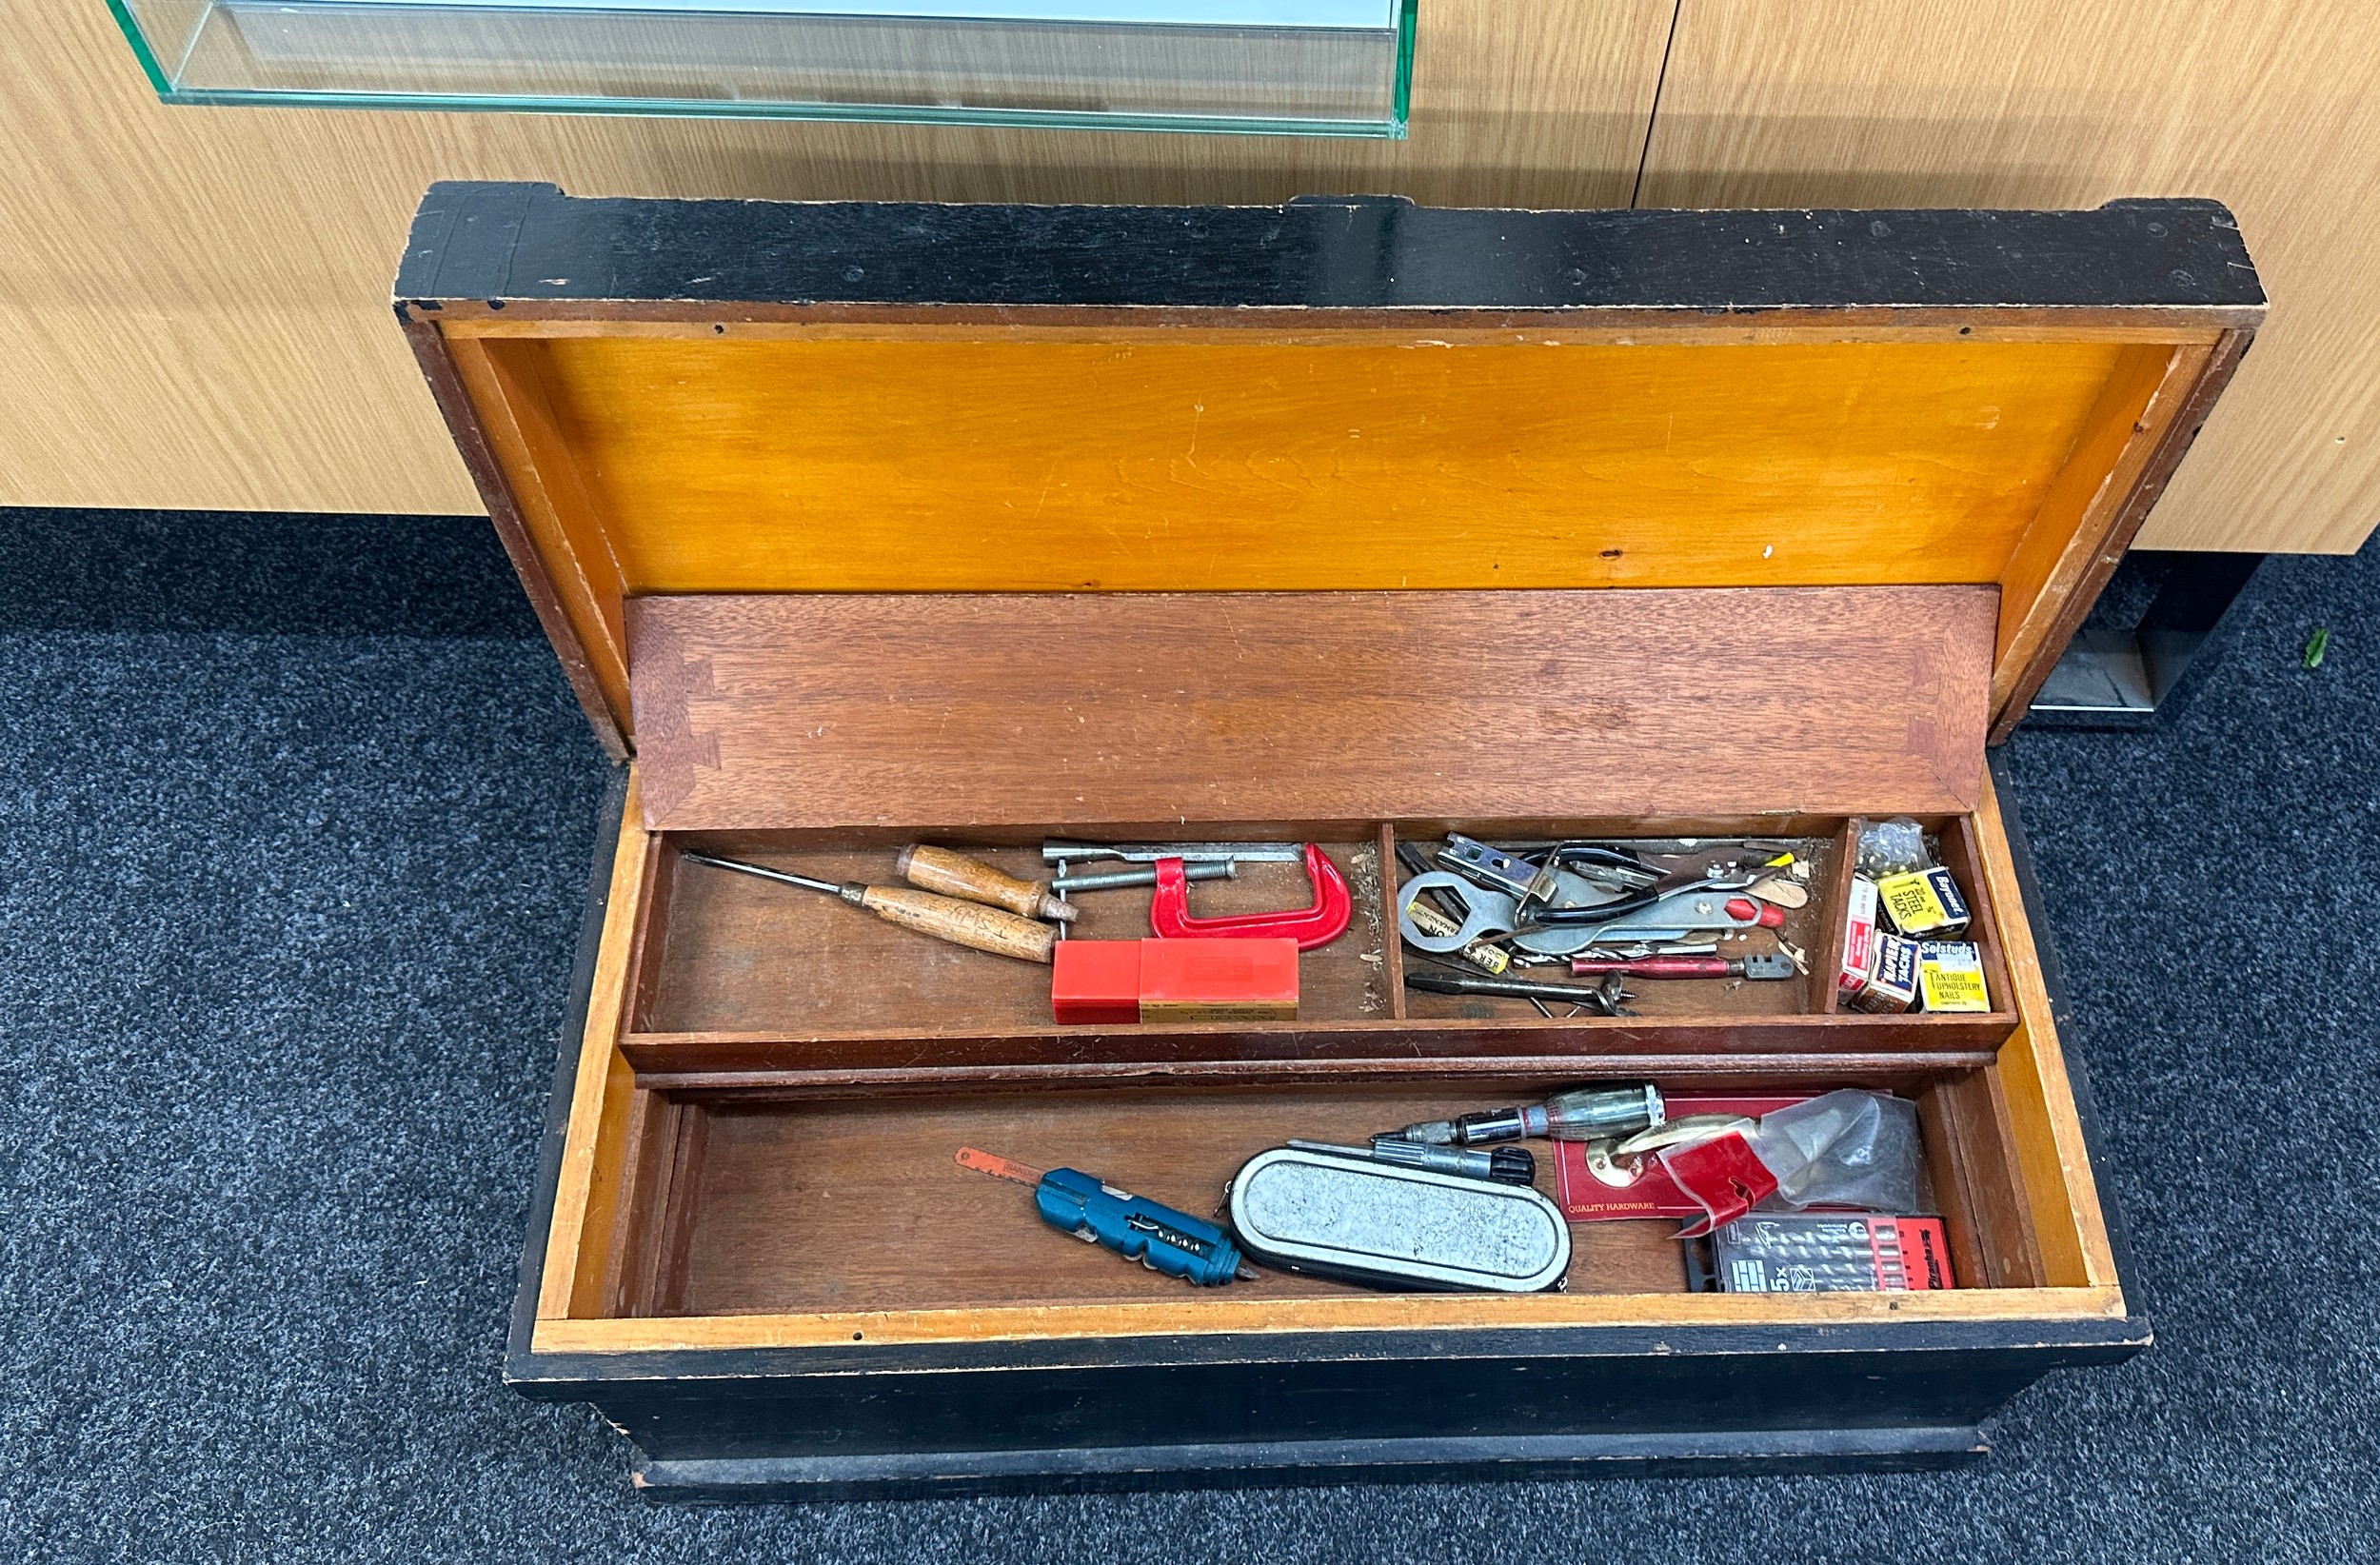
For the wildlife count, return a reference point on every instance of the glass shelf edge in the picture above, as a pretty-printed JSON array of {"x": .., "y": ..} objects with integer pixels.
[
  {"x": 1024, "y": 119},
  {"x": 1408, "y": 25},
  {"x": 139, "y": 40}
]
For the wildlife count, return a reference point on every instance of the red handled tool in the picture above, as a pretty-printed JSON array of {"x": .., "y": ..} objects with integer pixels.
[
  {"x": 1169, "y": 908},
  {"x": 1758, "y": 965}
]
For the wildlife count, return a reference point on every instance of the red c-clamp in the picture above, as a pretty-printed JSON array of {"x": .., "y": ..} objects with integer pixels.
[{"x": 1169, "y": 908}]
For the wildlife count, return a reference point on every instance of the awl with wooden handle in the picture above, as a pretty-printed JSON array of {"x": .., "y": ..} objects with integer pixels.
[
  {"x": 978, "y": 928},
  {"x": 973, "y": 881}
]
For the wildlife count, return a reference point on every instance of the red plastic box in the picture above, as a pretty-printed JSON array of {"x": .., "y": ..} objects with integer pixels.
[{"x": 1175, "y": 980}]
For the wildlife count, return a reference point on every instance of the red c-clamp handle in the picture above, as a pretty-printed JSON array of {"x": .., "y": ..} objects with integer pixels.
[{"x": 1169, "y": 909}]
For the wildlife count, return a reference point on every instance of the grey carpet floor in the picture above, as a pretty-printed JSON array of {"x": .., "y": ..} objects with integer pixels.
[{"x": 295, "y": 821}]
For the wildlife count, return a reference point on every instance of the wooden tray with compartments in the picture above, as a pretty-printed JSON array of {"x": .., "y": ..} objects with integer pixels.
[{"x": 1348, "y": 522}]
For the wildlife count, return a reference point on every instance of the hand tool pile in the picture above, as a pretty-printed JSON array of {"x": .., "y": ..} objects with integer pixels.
[
  {"x": 1445, "y": 1205},
  {"x": 1233, "y": 968},
  {"x": 1610, "y": 910},
  {"x": 1474, "y": 917}
]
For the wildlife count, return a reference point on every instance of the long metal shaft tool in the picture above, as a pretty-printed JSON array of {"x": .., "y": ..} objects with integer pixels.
[
  {"x": 1058, "y": 851},
  {"x": 1598, "y": 997}
]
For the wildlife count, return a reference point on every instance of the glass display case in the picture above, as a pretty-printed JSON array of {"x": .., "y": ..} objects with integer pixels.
[{"x": 1337, "y": 68}]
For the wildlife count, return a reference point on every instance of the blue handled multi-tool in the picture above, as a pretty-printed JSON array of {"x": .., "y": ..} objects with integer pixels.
[{"x": 1157, "y": 1237}]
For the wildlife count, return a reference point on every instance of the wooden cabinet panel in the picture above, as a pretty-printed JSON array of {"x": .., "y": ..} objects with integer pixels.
[
  {"x": 2270, "y": 106},
  {"x": 193, "y": 302}
]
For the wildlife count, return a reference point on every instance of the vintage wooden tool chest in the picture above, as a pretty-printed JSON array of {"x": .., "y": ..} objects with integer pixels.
[{"x": 1348, "y": 521}]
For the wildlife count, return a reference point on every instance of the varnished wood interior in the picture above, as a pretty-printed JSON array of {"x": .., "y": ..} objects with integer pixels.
[
  {"x": 644, "y": 456},
  {"x": 1958, "y": 847},
  {"x": 974, "y": 711},
  {"x": 803, "y": 1174},
  {"x": 838, "y": 583},
  {"x": 843, "y": 1206},
  {"x": 735, "y": 973},
  {"x": 690, "y": 1184},
  {"x": 978, "y": 460}
]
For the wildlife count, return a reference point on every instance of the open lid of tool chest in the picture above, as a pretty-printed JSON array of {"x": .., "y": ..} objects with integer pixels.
[{"x": 852, "y": 514}]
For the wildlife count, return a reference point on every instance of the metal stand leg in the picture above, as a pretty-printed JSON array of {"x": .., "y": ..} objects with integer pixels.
[{"x": 2163, "y": 615}]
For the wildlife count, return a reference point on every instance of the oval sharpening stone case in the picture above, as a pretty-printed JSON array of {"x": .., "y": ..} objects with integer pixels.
[{"x": 1400, "y": 1227}]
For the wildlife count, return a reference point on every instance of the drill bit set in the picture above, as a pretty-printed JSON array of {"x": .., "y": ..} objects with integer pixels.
[{"x": 1474, "y": 914}]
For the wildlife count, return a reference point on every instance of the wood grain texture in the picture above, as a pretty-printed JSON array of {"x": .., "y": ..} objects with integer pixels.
[
  {"x": 648, "y": 1260},
  {"x": 601, "y": 693},
  {"x": 656, "y": 916},
  {"x": 957, "y": 422},
  {"x": 1391, "y": 875},
  {"x": 953, "y": 873},
  {"x": 651, "y": 1249},
  {"x": 1222, "y": 1312},
  {"x": 967, "y": 924},
  {"x": 1026, "y": 1057},
  {"x": 666, "y": 1260},
  {"x": 1961, "y": 845},
  {"x": 194, "y": 298},
  {"x": 656, "y": 1137},
  {"x": 1021, "y": 458},
  {"x": 1828, "y": 1062},
  {"x": 536, "y": 491},
  {"x": 1979, "y": 1195},
  {"x": 596, "y": 1150},
  {"x": 839, "y": 1207},
  {"x": 2269, "y": 106},
  {"x": 1833, "y": 899},
  {"x": 193, "y": 302},
  {"x": 722, "y": 966},
  {"x": 2036, "y": 1094},
  {"x": 972, "y": 465},
  {"x": 2076, "y": 522},
  {"x": 939, "y": 713},
  {"x": 1127, "y": 326}
]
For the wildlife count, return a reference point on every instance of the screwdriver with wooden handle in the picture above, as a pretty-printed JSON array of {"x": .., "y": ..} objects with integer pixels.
[
  {"x": 978, "y": 928},
  {"x": 973, "y": 881}
]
